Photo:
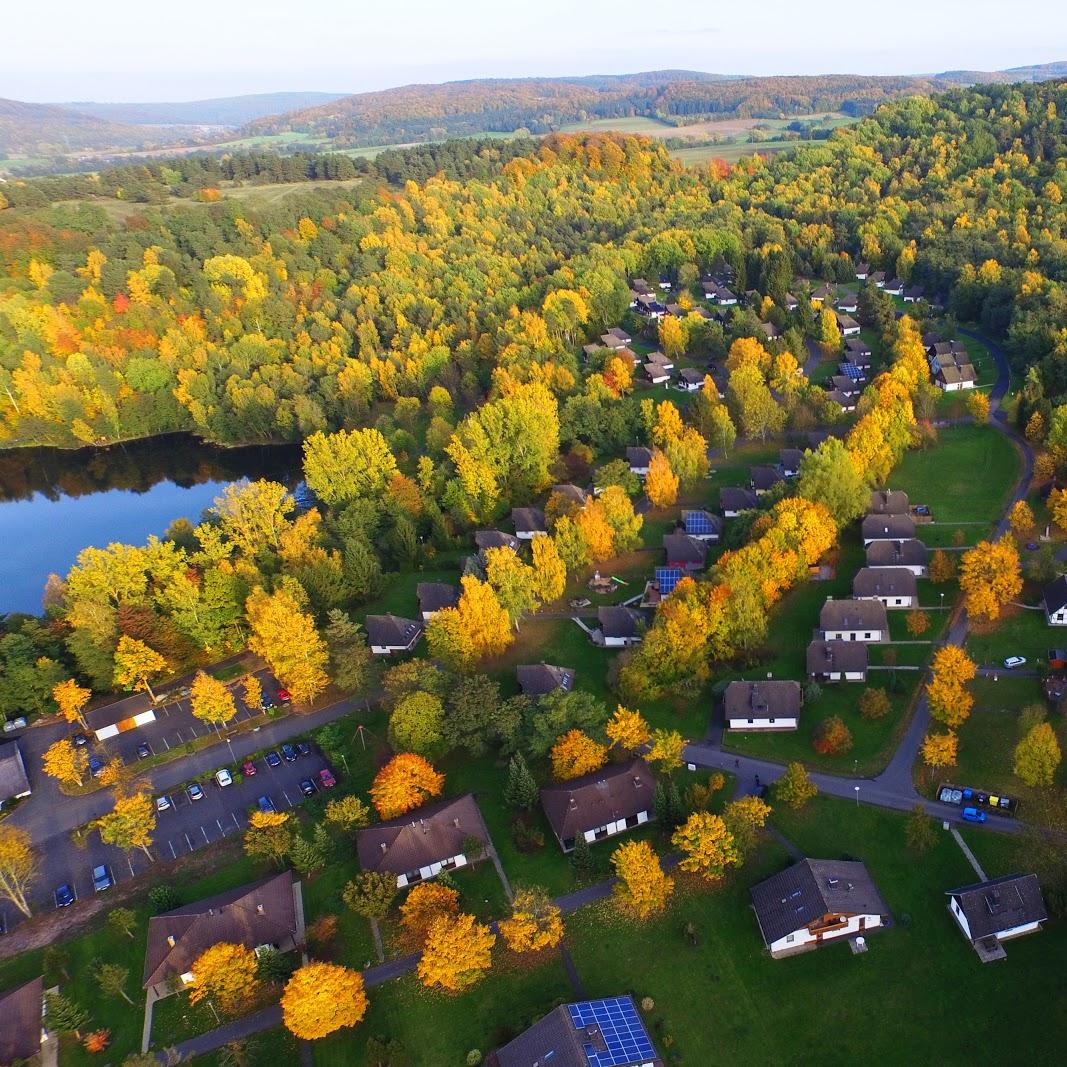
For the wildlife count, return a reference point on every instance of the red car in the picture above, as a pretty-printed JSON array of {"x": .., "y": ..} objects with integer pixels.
[
  {"x": 248, "y": 769},
  {"x": 326, "y": 778}
]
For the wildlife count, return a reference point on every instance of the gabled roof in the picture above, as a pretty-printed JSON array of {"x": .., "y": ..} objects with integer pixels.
[
  {"x": 853, "y": 615},
  {"x": 737, "y": 498},
  {"x": 1001, "y": 904},
  {"x": 613, "y": 340},
  {"x": 760, "y": 700},
  {"x": 617, "y": 621},
  {"x": 810, "y": 889},
  {"x": 681, "y": 548},
  {"x": 842, "y": 400},
  {"x": 617, "y": 791},
  {"x": 621, "y": 334},
  {"x": 857, "y": 346},
  {"x": 656, "y": 371},
  {"x": 954, "y": 374},
  {"x": 436, "y": 596},
  {"x": 911, "y": 552},
  {"x": 764, "y": 477},
  {"x": 21, "y": 1011},
  {"x": 638, "y": 456},
  {"x": 528, "y": 520},
  {"x": 572, "y": 493},
  {"x": 847, "y": 322},
  {"x": 391, "y": 631},
  {"x": 495, "y": 539},
  {"x": 537, "y": 679},
  {"x": 701, "y": 522},
  {"x": 790, "y": 458},
  {"x": 888, "y": 502},
  {"x": 261, "y": 913},
  {"x": 13, "y": 780},
  {"x": 891, "y": 527},
  {"x": 826, "y": 657},
  {"x": 885, "y": 581},
  {"x": 691, "y": 375},
  {"x": 422, "y": 837},
  {"x": 1056, "y": 595}
]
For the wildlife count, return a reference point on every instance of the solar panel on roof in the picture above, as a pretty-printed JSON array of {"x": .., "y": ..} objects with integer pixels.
[
  {"x": 623, "y": 1032},
  {"x": 667, "y": 578},
  {"x": 698, "y": 522},
  {"x": 853, "y": 372}
]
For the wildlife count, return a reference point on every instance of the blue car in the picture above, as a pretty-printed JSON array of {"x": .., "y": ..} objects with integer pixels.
[
  {"x": 265, "y": 804},
  {"x": 273, "y": 759},
  {"x": 65, "y": 895},
  {"x": 96, "y": 765},
  {"x": 289, "y": 753},
  {"x": 974, "y": 815}
]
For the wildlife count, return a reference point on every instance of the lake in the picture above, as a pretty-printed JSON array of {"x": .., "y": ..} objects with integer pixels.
[{"x": 53, "y": 503}]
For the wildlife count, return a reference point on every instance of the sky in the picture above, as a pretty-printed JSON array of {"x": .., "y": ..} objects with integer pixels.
[{"x": 136, "y": 50}]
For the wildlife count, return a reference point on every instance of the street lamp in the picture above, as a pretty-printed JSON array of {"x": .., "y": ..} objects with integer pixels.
[
  {"x": 857, "y": 788},
  {"x": 942, "y": 601}
]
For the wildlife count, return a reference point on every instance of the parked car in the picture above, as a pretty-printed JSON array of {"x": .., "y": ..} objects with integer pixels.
[
  {"x": 264, "y": 803},
  {"x": 102, "y": 878},
  {"x": 248, "y": 769},
  {"x": 974, "y": 815},
  {"x": 1015, "y": 661},
  {"x": 326, "y": 778},
  {"x": 303, "y": 748},
  {"x": 163, "y": 803},
  {"x": 307, "y": 787},
  {"x": 143, "y": 751},
  {"x": 284, "y": 697},
  {"x": 195, "y": 792},
  {"x": 14, "y": 724},
  {"x": 273, "y": 759},
  {"x": 223, "y": 777},
  {"x": 266, "y": 704},
  {"x": 96, "y": 765},
  {"x": 65, "y": 895},
  {"x": 289, "y": 753},
  {"x": 79, "y": 740}
]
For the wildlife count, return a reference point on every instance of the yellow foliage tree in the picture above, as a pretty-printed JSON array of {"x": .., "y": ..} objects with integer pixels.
[
  {"x": 990, "y": 577},
  {"x": 427, "y": 901},
  {"x": 321, "y": 998},
  {"x": 666, "y": 750},
  {"x": 939, "y": 749},
  {"x": 457, "y": 953},
  {"x": 286, "y": 637},
  {"x": 643, "y": 888},
  {"x": 661, "y": 483},
  {"x": 949, "y": 701},
  {"x": 535, "y": 923},
  {"x": 225, "y": 974},
  {"x": 18, "y": 866},
  {"x": 672, "y": 336},
  {"x": 596, "y": 532},
  {"x": 405, "y": 782},
  {"x": 575, "y": 754},
  {"x": 477, "y": 627},
  {"x": 71, "y": 699},
  {"x": 978, "y": 406},
  {"x": 707, "y": 846},
  {"x": 627, "y": 729},
  {"x": 66, "y": 762},
  {"x": 268, "y": 836},
  {"x": 253, "y": 692},
  {"x": 136, "y": 663},
  {"x": 549, "y": 570},
  {"x": 1037, "y": 755},
  {"x": 1021, "y": 518},
  {"x": 130, "y": 823},
  {"x": 211, "y": 700}
]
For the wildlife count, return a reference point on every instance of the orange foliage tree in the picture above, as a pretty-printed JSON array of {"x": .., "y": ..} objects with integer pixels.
[
  {"x": 321, "y": 998},
  {"x": 427, "y": 901},
  {"x": 661, "y": 483},
  {"x": 535, "y": 923},
  {"x": 404, "y": 783},
  {"x": 949, "y": 701},
  {"x": 939, "y": 749},
  {"x": 643, "y": 888},
  {"x": 457, "y": 953},
  {"x": 575, "y": 754},
  {"x": 990, "y": 577}
]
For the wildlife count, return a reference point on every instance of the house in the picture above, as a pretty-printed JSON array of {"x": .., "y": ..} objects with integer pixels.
[
  {"x": 816, "y": 901},
  {"x": 388, "y": 634},
  {"x": 846, "y": 301},
  {"x": 685, "y": 552},
  {"x": 664, "y": 282},
  {"x": 664, "y": 361},
  {"x": 770, "y": 331},
  {"x": 789, "y": 461},
  {"x": 649, "y": 307},
  {"x": 823, "y": 295},
  {"x": 590, "y": 351},
  {"x": 992, "y": 912},
  {"x": 862, "y": 270},
  {"x": 768, "y": 705},
  {"x": 894, "y": 287},
  {"x": 640, "y": 286},
  {"x": 878, "y": 277},
  {"x": 911, "y": 553},
  {"x": 612, "y": 341},
  {"x": 848, "y": 326},
  {"x": 859, "y": 352},
  {"x": 628, "y": 354},
  {"x": 791, "y": 302},
  {"x": 888, "y": 502},
  {"x": 896, "y": 587},
  {"x": 719, "y": 294},
  {"x": 1055, "y": 601},
  {"x": 600, "y": 804},
  {"x": 690, "y": 380},
  {"x": 639, "y": 458},
  {"x": 887, "y": 528},
  {"x": 434, "y": 597},
  {"x": 853, "y": 620},
  {"x": 837, "y": 661},
  {"x": 913, "y": 294},
  {"x": 620, "y": 627},
  {"x": 540, "y": 679},
  {"x": 845, "y": 401},
  {"x": 589, "y": 1033},
  {"x": 113, "y": 719},
  {"x": 573, "y": 494},
  {"x": 953, "y": 378},
  {"x": 734, "y": 499},
  {"x": 22, "y": 1031},
  {"x": 486, "y": 539},
  {"x": 258, "y": 915},
  {"x": 620, "y": 335},
  {"x": 13, "y": 781},
  {"x": 656, "y": 373},
  {"x": 763, "y": 479},
  {"x": 846, "y": 385},
  {"x": 702, "y": 525},
  {"x": 528, "y": 523},
  {"x": 421, "y": 844}
]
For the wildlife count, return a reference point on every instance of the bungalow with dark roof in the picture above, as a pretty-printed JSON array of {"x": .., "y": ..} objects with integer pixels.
[
  {"x": 540, "y": 679},
  {"x": 895, "y": 587},
  {"x": 389, "y": 634},
  {"x": 887, "y": 528},
  {"x": 770, "y": 331},
  {"x": 764, "y": 478},
  {"x": 989, "y": 913},
  {"x": 845, "y": 401},
  {"x": 528, "y": 523},
  {"x": 639, "y": 458},
  {"x": 609, "y": 801},
  {"x": 789, "y": 461},
  {"x": 769, "y": 705},
  {"x": 837, "y": 661},
  {"x": 664, "y": 361},
  {"x": 878, "y": 278},
  {"x": 823, "y": 294},
  {"x": 913, "y": 294},
  {"x": 14, "y": 784},
  {"x": 685, "y": 552},
  {"x": 421, "y": 844},
  {"x": 690, "y": 380},
  {"x": 1055, "y": 601},
  {"x": 618, "y": 334},
  {"x": 619, "y": 627},
  {"x": 22, "y": 1030},
  {"x": 846, "y": 301},
  {"x": 434, "y": 597},
  {"x": 862, "y": 270},
  {"x": 955, "y": 378},
  {"x": 888, "y": 502},
  {"x": 702, "y": 525},
  {"x": 911, "y": 553},
  {"x": 486, "y": 539},
  {"x": 790, "y": 302},
  {"x": 816, "y": 901},
  {"x": 848, "y": 326},
  {"x": 735, "y": 499},
  {"x": 853, "y": 620},
  {"x": 573, "y": 494},
  {"x": 858, "y": 352},
  {"x": 849, "y": 388},
  {"x": 610, "y": 340},
  {"x": 656, "y": 373},
  {"x": 894, "y": 287},
  {"x": 590, "y": 351}
]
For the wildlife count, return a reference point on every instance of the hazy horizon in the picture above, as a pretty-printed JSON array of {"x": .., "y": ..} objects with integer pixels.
[{"x": 142, "y": 53}]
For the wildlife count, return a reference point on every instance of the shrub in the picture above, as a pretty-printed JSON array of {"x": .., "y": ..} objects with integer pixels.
[{"x": 832, "y": 737}]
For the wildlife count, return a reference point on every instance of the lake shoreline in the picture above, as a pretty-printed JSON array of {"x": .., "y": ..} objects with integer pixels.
[{"x": 15, "y": 449}]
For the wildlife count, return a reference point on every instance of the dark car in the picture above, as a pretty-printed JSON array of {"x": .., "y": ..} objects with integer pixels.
[
  {"x": 273, "y": 759},
  {"x": 65, "y": 895},
  {"x": 102, "y": 878},
  {"x": 289, "y": 753},
  {"x": 248, "y": 769},
  {"x": 96, "y": 765},
  {"x": 284, "y": 697},
  {"x": 143, "y": 751},
  {"x": 303, "y": 748},
  {"x": 265, "y": 804},
  {"x": 80, "y": 740},
  {"x": 307, "y": 787},
  {"x": 326, "y": 778}
]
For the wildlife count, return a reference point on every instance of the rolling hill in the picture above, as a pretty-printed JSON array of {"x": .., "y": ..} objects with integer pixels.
[{"x": 1037, "y": 73}]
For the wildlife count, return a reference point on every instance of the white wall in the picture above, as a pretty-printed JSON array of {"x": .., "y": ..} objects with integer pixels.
[
  {"x": 802, "y": 937},
  {"x": 847, "y": 635},
  {"x": 777, "y": 723}
]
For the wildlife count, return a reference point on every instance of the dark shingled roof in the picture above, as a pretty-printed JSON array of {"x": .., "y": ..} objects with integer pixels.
[
  {"x": 1001, "y": 904},
  {"x": 682, "y": 548},
  {"x": 528, "y": 520},
  {"x": 887, "y": 528},
  {"x": 853, "y": 615},
  {"x": 825, "y": 657},
  {"x": 761, "y": 700},
  {"x": 911, "y": 552},
  {"x": 617, "y": 621},
  {"x": 764, "y": 477},
  {"x": 638, "y": 456},
  {"x": 790, "y": 458},
  {"x": 537, "y": 679},
  {"x": 261, "y": 913},
  {"x": 1056, "y": 595},
  {"x": 810, "y": 889},
  {"x": 495, "y": 539},
  {"x": 13, "y": 780},
  {"x": 572, "y": 493},
  {"x": 888, "y": 502},
  {"x": 419, "y": 838},
  {"x": 21, "y": 1009},
  {"x": 618, "y": 791},
  {"x": 735, "y": 498},
  {"x": 391, "y": 631},
  {"x": 436, "y": 596},
  {"x": 884, "y": 581}
]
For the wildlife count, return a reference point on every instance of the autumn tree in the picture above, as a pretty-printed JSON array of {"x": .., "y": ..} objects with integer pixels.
[
  {"x": 795, "y": 787},
  {"x": 407, "y": 781},
  {"x": 874, "y": 703},
  {"x": 549, "y": 570},
  {"x": 211, "y": 700},
  {"x": 575, "y": 754},
  {"x": 18, "y": 866},
  {"x": 832, "y": 737},
  {"x": 752, "y": 405},
  {"x": 627, "y": 729},
  {"x": 284, "y": 634},
  {"x": 424, "y": 903},
  {"x": 269, "y": 835},
  {"x": 917, "y": 622},
  {"x": 672, "y": 336},
  {"x": 71, "y": 699},
  {"x": 347, "y": 813},
  {"x": 346, "y": 466},
  {"x": 535, "y": 923},
  {"x": 1037, "y": 756},
  {"x": 252, "y": 691},
  {"x": 416, "y": 723},
  {"x": 512, "y": 581},
  {"x": 829, "y": 475},
  {"x": 745, "y": 818},
  {"x": 130, "y": 824},
  {"x": 942, "y": 567},
  {"x": 136, "y": 664},
  {"x": 1021, "y": 518},
  {"x": 666, "y": 749},
  {"x": 661, "y": 483},
  {"x": 370, "y": 893},
  {"x": 476, "y": 628},
  {"x": 949, "y": 701},
  {"x": 321, "y": 998},
  {"x": 1057, "y": 506},
  {"x": 456, "y": 954},
  {"x": 828, "y": 333},
  {"x": 643, "y": 887},
  {"x": 978, "y": 407},
  {"x": 939, "y": 749},
  {"x": 990, "y": 577},
  {"x": 66, "y": 762},
  {"x": 225, "y": 974},
  {"x": 707, "y": 846},
  {"x": 920, "y": 834}
]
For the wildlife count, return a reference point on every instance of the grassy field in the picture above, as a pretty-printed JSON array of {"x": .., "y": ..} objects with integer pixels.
[{"x": 730, "y": 151}]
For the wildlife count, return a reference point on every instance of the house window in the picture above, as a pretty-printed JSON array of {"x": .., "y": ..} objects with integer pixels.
[
  {"x": 866, "y": 637},
  {"x": 789, "y": 938},
  {"x": 751, "y": 721},
  {"x": 773, "y": 720}
]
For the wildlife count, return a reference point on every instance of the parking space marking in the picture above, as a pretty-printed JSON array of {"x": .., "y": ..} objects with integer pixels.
[
  {"x": 187, "y": 841},
  {"x": 287, "y": 800},
  {"x": 221, "y": 830},
  {"x": 233, "y": 815},
  {"x": 174, "y": 855},
  {"x": 207, "y": 840}
]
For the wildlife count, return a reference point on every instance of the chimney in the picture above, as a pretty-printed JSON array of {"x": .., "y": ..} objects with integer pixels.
[
  {"x": 170, "y": 940},
  {"x": 384, "y": 847},
  {"x": 259, "y": 908},
  {"x": 637, "y": 781},
  {"x": 455, "y": 823}
]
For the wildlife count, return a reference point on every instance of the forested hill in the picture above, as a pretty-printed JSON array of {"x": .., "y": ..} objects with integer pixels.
[
  {"x": 219, "y": 111},
  {"x": 458, "y": 109}
]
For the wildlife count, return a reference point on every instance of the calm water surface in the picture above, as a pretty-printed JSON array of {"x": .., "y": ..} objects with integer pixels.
[{"x": 54, "y": 503}]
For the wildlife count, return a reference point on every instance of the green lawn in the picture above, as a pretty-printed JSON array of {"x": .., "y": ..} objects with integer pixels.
[{"x": 1020, "y": 632}]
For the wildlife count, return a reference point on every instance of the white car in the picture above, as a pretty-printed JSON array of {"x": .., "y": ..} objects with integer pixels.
[
  {"x": 1015, "y": 661},
  {"x": 224, "y": 777},
  {"x": 162, "y": 803}
]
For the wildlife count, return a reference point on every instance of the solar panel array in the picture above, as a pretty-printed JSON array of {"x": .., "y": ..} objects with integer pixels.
[
  {"x": 852, "y": 371},
  {"x": 623, "y": 1032},
  {"x": 698, "y": 522},
  {"x": 667, "y": 578}
]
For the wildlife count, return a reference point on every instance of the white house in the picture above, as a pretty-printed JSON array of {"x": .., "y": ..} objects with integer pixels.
[
  {"x": 896, "y": 587},
  {"x": 620, "y": 627},
  {"x": 1056, "y": 602},
  {"x": 639, "y": 459},
  {"x": 767, "y": 705},
  {"x": 992, "y": 912},
  {"x": 734, "y": 500},
  {"x": 816, "y": 901},
  {"x": 434, "y": 597},
  {"x": 389, "y": 634},
  {"x": 911, "y": 553},
  {"x": 853, "y": 620},
  {"x": 837, "y": 661}
]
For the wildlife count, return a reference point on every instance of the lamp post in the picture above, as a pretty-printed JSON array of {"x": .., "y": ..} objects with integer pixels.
[
  {"x": 942, "y": 601},
  {"x": 857, "y": 789}
]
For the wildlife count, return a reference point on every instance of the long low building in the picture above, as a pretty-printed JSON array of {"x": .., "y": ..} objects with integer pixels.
[
  {"x": 896, "y": 587},
  {"x": 910, "y": 553},
  {"x": 1001, "y": 909},
  {"x": 853, "y": 620},
  {"x": 837, "y": 661},
  {"x": 887, "y": 528},
  {"x": 769, "y": 705}
]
